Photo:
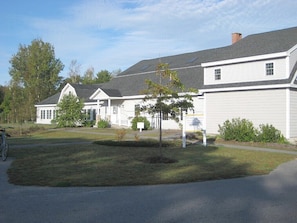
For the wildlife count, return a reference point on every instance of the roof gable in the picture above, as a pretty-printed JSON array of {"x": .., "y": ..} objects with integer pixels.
[{"x": 104, "y": 94}]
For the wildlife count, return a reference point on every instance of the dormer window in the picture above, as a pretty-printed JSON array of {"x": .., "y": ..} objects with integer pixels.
[
  {"x": 269, "y": 69},
  {"x": 217, "y": 73}
]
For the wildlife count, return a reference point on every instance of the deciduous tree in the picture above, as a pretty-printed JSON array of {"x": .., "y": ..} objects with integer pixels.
[
  {"x": 88, "y": 77},
  {"x": 74, "y": 73},
  {"x": 69, "y": 112},
  {"x": 168, "y": 95},
  {"x": 35, "y": 71}
]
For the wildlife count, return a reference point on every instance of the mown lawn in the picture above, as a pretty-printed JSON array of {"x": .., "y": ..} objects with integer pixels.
[{"x": 102, "y": 165}]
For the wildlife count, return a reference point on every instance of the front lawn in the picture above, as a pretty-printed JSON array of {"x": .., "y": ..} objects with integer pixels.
[{"x": 103, "y": 165}]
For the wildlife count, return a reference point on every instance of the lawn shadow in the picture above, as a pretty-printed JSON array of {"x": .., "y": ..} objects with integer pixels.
[{"x": 200, "y": 163}]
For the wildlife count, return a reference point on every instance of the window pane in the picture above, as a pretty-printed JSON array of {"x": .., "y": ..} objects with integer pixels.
[
  {"x": 137, "y": 110},
  {"x": 217, "y": 74},
  {"x": 269, "y": 69}
]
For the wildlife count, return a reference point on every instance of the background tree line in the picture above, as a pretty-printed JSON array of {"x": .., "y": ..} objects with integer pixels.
[{"x": 35, "y": 76}]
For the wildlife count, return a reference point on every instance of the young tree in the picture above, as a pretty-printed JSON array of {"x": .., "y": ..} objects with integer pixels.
[
  {"x": 69, "y": 112},
  {"x": 167, "y": 95},
  {"x": 35, "y": 70}
]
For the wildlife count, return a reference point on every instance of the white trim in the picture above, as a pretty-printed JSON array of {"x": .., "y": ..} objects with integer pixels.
[
  {"x": 287, "y": 67},
  {"x": 45, "y": 105},
  {"x": 249, "y": 88},
  {"x": 97, "y": 92},
  {"x": 292, "y": 49},
  {"x": 294, "y": 78},
  {"x": 204, "y": 112},
  {"x": 245, "y": 59},
  {"x": 62, "y": 94}
]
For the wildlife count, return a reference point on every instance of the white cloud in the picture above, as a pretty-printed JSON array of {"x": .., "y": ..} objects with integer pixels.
[{"x": 118, "y": 33}]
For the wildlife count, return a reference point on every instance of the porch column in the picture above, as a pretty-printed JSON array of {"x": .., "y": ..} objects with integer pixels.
[
  {"x": 119, "y": 115},
  {"x": 98, "y": 111},
  {"x": 109, "y": 110}
]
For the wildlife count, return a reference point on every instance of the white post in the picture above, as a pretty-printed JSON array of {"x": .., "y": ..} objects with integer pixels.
[
  {"x": 184, "y": 130},
  {"x": 120, "y": 116},
  {"x": 140, "y": 126},
  {"x": 97, "y": 112},
  {"x": 204, "y": 137},
  {"x": 109, "y": 110}
]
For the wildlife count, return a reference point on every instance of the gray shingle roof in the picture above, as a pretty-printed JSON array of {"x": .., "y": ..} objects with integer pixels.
[
  {"x": 84, "y": 91},
  {"x": 50, "y": 100},
  {"x": 188, "y": 66},
  {"x": 252, "y": 45}
]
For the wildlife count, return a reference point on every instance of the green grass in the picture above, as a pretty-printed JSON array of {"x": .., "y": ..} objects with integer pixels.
[
  {"x": 101, "y": 165},
  {"x": 43, "y": 161}
]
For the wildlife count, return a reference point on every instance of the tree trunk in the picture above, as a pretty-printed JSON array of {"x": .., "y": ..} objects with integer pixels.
[{"x": 160, "y": 133}]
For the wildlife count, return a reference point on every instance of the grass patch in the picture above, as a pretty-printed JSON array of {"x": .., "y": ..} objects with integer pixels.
[
  {"x": 108, "y": 162},
  {"x": 101, "y": 165},
  {"x": 140, "y": 143}
]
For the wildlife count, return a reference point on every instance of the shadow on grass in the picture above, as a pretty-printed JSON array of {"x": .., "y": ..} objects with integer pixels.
[{"x": 100, "y": 165}]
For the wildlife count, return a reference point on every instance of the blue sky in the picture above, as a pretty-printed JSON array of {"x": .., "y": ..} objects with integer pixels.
[{"x": 115, "y": 34}]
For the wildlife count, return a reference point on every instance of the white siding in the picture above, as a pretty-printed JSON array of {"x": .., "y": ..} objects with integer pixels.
[
  {"x": 127, "y": 111},
  {"x": 245, "y": 72},
  {"x": 293, "y": 59},
  {"x": 293, "y": 114},
  {"x": 260, "y": 107},
  {"x": 45, "y": 114}
]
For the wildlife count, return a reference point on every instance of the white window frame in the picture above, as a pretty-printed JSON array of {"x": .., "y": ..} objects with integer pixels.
[
  {"x": 269, "y": 69},
  {"x": 217, "y": 74},
  {"x": 42, "y": 114}
]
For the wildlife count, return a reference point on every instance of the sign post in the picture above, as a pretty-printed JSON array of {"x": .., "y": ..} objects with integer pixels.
[
  {"x": 193, "y": 123},
  {"x": 140, "y": 126},
  {"x": 204, "y": 137}
]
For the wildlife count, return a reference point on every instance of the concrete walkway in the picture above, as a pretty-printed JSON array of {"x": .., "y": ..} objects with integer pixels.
[{"x": 271, "y": 198}]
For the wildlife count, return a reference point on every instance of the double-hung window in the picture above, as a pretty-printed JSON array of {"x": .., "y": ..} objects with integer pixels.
[
  {"x": 269, "y": 69},
  {"x": 137, "y": 109},
  {"x": 217, "y": 73}
]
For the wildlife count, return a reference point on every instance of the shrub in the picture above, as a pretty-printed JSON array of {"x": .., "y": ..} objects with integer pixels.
[
  {"x": 140, "y": 119},
  {"x": 120, "y": 134},
  {"x": 89, "y": 123},
  {"x": 241, "y": 130},
  {"x": 102, "y": 124},
  {"x": 268, "y": 133}
]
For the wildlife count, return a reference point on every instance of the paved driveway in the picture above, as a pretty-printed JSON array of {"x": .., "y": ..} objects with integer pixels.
[{"x": 271, "y": 198}]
